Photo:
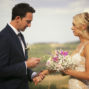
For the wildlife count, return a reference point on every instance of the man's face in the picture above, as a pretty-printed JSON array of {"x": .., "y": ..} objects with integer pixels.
[{"x": 25, "y": 21}]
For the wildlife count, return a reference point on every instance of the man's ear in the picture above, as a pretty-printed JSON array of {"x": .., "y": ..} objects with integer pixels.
[{"x": 17, "y": 19}]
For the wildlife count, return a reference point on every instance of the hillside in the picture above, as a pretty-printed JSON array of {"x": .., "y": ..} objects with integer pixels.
[{"x": 43, "y": 50}]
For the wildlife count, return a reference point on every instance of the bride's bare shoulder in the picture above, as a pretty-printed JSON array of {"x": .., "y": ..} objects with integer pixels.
[
  {"x": 86, "y": 48},
  {"x": 87, "y": 45}
]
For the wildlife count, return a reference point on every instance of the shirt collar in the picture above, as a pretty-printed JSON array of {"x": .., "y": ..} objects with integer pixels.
[{"x": 14, "y": 29}]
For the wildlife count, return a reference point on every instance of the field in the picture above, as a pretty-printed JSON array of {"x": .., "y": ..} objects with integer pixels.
[{"x": 43, "y": 50}]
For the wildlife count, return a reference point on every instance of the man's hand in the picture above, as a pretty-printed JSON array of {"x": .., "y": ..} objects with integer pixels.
[
  {"x": 32, "y": 62},
  {"x": 38, "y": 78}
]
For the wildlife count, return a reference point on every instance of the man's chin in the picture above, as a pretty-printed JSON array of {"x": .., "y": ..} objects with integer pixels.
[{"x": 22, "y": 30}]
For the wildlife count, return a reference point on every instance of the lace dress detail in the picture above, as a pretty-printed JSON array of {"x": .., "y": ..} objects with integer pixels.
[{"x": 75, "y": 83}]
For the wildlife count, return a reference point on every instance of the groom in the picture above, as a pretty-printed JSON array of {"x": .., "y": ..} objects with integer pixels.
[{"x": 14, "y": 64}]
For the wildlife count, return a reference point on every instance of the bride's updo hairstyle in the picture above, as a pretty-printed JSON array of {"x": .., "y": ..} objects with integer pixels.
[{"x": 82, "y": 19}]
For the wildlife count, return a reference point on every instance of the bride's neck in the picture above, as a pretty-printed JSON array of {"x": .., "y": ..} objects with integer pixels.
[{"x": 83, "y": 40}]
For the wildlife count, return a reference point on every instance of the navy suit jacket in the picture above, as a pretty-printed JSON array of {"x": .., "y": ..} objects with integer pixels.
[{"x": 12, "y": 62}]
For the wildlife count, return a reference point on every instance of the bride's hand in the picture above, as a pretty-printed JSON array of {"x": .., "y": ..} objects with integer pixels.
[
  {"x": 45, "y": 72},
  {"x": 67, "y": 71}
]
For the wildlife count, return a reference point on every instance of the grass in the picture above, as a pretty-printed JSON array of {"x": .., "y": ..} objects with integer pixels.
[
  {"x": 43, "y": 50},
  {"x": 52, "y": 82}
]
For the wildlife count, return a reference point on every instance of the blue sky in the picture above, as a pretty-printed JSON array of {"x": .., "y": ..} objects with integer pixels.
[{"x": 52, "y": 21}]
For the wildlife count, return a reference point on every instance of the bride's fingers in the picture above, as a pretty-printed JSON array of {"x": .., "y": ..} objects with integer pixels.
[
  {"x": 66, "y": 71},
  {"x": 42, "y": 76},
  {"x": 37, "y": 81}
]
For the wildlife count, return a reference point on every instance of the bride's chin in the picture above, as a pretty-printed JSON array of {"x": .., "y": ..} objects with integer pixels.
[{"x": 75, "y": 34}]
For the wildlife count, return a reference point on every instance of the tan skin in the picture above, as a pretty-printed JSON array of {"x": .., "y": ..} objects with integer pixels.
[
  {"x": 81, "y": 75},
  {"x": 21, "y": 24}
]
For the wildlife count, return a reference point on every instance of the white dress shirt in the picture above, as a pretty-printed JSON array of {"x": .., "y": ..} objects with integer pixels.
[
  {"x": 23, "y": 46},
  {"x": 17, "y": 32}
]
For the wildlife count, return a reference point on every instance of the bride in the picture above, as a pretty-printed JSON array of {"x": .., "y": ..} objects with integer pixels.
[{"x": 80, "y": 75}]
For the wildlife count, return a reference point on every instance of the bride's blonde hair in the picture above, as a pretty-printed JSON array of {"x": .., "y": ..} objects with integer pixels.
[{"x": 82, "y": 18}]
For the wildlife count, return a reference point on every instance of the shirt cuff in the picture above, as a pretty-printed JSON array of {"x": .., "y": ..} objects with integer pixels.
[{"x": 33, "y": 75}]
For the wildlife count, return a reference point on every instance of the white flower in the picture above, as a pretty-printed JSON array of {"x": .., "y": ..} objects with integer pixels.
[{"x": 59, "y": 61}]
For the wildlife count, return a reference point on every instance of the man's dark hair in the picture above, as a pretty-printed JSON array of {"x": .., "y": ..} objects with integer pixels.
[{"x": 21, "y": 9}]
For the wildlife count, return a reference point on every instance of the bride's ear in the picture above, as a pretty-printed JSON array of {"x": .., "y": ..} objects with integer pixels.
[{"x": 84, "y": 26}]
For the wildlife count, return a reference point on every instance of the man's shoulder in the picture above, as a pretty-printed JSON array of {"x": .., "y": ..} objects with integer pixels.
[
  {"x": 4, "y": 33},
  {"x": 5, "y": 30}
]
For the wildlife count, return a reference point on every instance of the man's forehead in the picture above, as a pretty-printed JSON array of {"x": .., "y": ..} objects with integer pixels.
[{"x": 29, "y": 14}]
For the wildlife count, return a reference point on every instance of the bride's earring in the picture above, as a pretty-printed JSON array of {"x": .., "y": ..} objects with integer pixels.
[{"x": 83, "y": 31}]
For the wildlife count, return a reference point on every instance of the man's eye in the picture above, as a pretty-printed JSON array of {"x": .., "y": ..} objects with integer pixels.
[{"x": 28, "y": 21}]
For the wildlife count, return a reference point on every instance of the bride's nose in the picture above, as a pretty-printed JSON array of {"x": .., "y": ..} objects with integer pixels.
[{"x": 72, "y": 28}]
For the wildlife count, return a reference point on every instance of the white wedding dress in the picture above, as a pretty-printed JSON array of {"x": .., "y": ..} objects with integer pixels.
[{"x": 75, "y": 83}]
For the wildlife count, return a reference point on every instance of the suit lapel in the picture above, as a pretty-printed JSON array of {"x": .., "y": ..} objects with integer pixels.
[{"x": 15, "y": 39}]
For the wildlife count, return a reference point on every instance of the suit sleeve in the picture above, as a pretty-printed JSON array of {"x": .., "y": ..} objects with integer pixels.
[
  {"x": 6, "y": 70},
  {"x": 29, "y": 74}
]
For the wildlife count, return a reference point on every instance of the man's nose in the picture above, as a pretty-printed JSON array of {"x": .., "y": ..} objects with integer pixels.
[{"x": 29, "y": 25}]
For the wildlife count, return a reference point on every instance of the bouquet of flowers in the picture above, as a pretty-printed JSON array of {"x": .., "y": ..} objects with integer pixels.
[{"x": 59, "y": 60}]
